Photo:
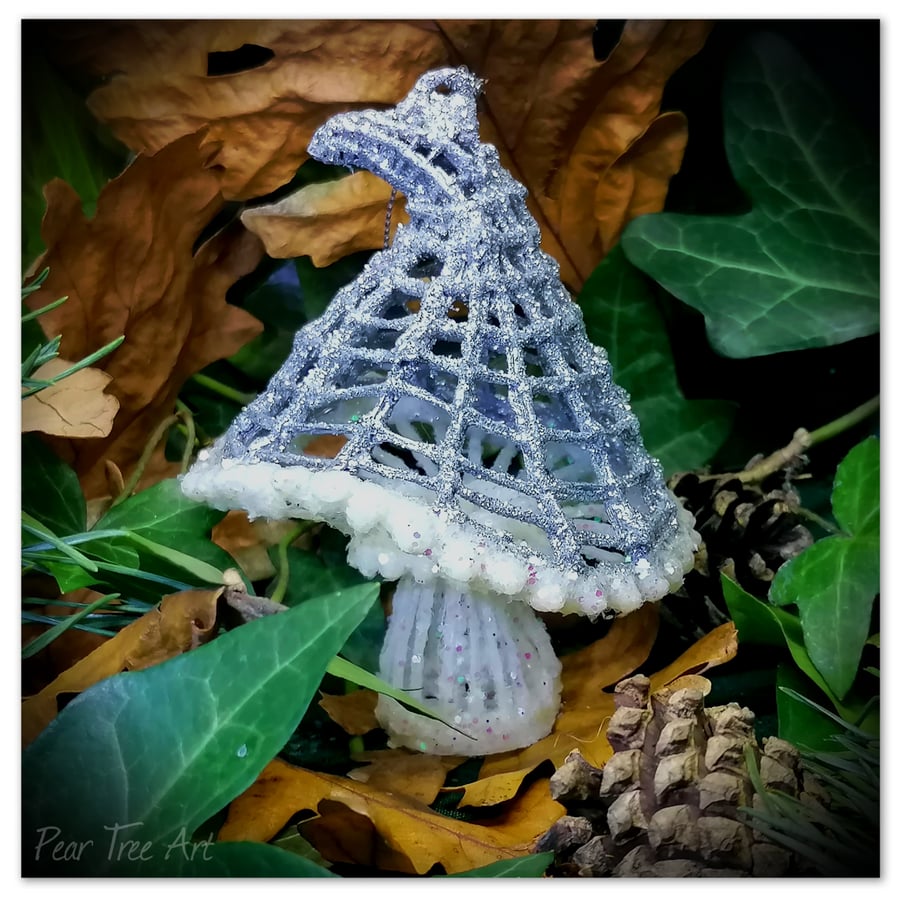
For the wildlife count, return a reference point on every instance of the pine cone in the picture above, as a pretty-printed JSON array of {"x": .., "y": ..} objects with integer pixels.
[
  {"x": 667, "y": 803},
  {"x": 750, "y": 529}
]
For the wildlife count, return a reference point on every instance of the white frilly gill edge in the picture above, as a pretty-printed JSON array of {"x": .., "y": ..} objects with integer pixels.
[{"x": 394, "y": 534}]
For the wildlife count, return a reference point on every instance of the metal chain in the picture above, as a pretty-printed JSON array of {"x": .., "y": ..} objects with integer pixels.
[{"x": 387, "y": 219}]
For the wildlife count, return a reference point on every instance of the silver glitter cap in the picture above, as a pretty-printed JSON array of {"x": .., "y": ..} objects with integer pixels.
[{"x": 485, "y": 440}]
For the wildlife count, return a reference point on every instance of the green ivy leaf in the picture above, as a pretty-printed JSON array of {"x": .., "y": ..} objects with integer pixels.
[
  {"x": 69, "y": 577},
  {"x": 295, "y": 293},
  {"x": 278, "y": 304},
  {"x": 169, "y": 746},
  {"x": 170, "y": 533},
  {"x": 111, "y": 550},
  {"x": 856, "y": 499},
  {"x": 621, "y": 315},
  {"x": 320, "y": 284},
  {"x": 162, "y": 513},
  {"x": 801, "y": 269},
  {"x": 197, "y": 568},
  {"x": 313, "y": 573},
  {"x": 833, "y": 583},
  {"x": 238, "y": 859},
  {"x": 50, "y": 489},
  {"x": 532, "y": 866}
]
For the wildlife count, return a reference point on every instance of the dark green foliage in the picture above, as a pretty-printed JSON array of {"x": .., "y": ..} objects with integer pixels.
[{"x": 801, "y": 268}]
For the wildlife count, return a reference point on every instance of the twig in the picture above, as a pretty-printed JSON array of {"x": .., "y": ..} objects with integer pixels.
[
  {"x": 248, "y": 606},
  {"x": 777, "y": 460},
  {"x": 854, "y": 417},
  {"x": 800, "y": 442}
]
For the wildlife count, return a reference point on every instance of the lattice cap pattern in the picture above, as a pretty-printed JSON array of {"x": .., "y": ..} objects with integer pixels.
[{"x": 484, "y": 438}]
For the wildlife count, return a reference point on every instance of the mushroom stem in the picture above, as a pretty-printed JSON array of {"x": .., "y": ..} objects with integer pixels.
[{"x": 483, "y": 662}]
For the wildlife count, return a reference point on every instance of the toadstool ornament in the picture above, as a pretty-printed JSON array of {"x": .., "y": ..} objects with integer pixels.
[{"x": 490, "y": 463}]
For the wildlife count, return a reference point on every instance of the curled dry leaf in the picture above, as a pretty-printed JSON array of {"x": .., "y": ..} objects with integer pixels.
[
  {"x": 413, "y": 837},
  {"x": 583, "y": 136},
  {"x": 75, "y": 407},
  {"x": 182, "y": 621},
  {"x": 133, "y": 270},
  {"x": 327, "y": 221},
  {"x": 713, "y": 649}
]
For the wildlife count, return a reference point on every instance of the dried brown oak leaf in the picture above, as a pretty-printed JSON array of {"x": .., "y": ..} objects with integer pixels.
[
  {"x": 133, "y": 270},
  {"x": 407, "y": 836},
  {"x": 76, "y": 406},
  {"x": 259, "y": 119},
  {"x": 585, "y": 137},
  {"x": 182, "y": 621},
  {"x": 417, "y": 775}
]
